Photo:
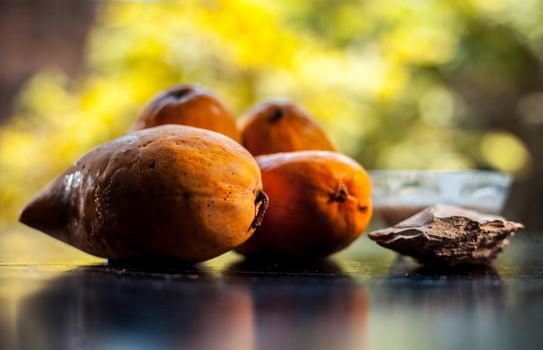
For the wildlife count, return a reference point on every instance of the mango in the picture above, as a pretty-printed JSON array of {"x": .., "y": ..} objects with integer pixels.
[
  {"x": 320, "y": 202},
  {"x": 167, "y": 192},
  {"x": 281, "y": 126},
  {"x": 190, "y": 105}
]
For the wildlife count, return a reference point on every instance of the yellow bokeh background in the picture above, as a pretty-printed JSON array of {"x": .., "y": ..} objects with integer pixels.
[{"x": 384, "y": 78}]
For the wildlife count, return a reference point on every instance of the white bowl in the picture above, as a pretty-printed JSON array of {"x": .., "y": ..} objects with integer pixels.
[{"x": 399, "y": 194}]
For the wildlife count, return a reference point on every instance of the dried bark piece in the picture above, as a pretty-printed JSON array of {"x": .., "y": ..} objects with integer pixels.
[{"x": 448, "y": 235}]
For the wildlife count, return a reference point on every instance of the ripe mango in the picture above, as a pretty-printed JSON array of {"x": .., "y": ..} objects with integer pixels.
[
  {"x": 281, "y": 126},
  {"x": 319, "y": 203},
  {"x": 190, "y": 105},
  {"x": 171, "y": 192}
]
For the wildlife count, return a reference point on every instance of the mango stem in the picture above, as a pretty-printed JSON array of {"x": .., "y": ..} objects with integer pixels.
[{"x": 263, "y": 200}]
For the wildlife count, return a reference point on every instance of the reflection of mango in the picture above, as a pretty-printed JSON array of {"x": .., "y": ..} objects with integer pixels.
[
  {"x": 227, "y": 321},
  {"x": 281, "y": 126},
  {"x": 337, "y": 319},
  {"x": 189, "y": 105},
  {"x": 104, "y": 308},
  {"x": 301, "y": 314},
  {"x": 164, "y": 191},
  {"x": 319, "y": 204}
]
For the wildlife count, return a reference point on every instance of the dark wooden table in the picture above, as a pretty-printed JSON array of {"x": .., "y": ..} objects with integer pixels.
[{"x": 364, "y": 298}]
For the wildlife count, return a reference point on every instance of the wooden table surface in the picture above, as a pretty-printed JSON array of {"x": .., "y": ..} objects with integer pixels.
[{"x": 52, "y": 297}]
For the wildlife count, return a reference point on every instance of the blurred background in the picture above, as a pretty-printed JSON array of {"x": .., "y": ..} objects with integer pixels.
[{"x": 398, "y": 84}]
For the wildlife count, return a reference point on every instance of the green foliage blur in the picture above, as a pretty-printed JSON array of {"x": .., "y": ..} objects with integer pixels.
[{"x": 397, "y": 84}]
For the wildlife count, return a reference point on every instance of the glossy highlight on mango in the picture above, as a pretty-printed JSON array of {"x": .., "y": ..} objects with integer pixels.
[
  {"x": 170, "y": 192},
  {"x": 190, "y": 105},
  {"x": 281, "y": 126},
  {"x": 320, "y": 202}
]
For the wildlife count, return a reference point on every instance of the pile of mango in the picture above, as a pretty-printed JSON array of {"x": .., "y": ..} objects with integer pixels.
[{"x": 189, "y": 183}]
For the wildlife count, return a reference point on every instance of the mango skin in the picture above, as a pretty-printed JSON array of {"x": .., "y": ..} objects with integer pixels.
[
  {"x": 190, "y": 105},
  {"x": 320, "y": 202},
  {"x": 172, "y": 192},
  {"x": 277, "y": 126}
]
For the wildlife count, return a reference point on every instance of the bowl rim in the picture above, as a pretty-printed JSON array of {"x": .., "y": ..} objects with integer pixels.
[{"x": 437, "y": 172}]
